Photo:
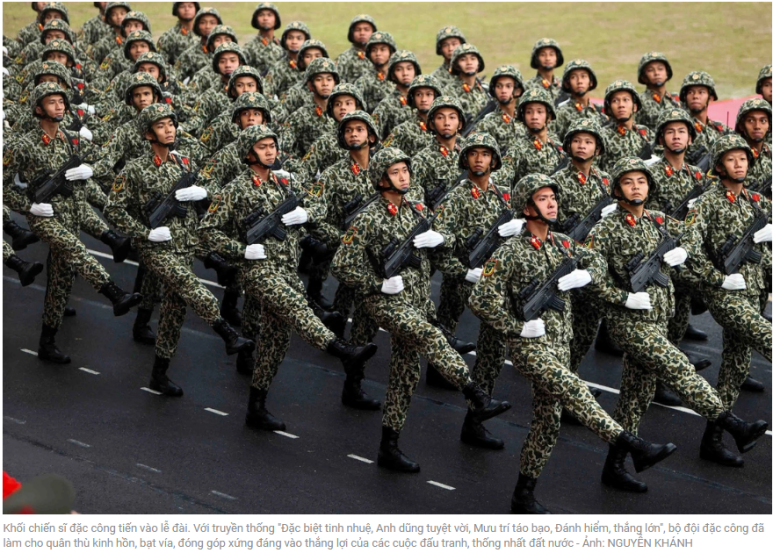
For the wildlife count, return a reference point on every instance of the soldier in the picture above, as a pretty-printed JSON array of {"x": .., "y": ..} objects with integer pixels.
[
  {"x": 578, "y": 80},
  {"x": 447, "y": 40},
  {"x": 54, "y": 29},
  {"x": 96, "y": 28},
  {"x": 394, "y": 109},
  {"x": 114, "y": 14},
  {"x": 506, "y": 87},
  {"x": 638, "y": 320},
  {"x": 111, "y": 49},
  {"x": 206, "y": 75},
  {"x": 27, "y": 270},
  {"x": 466, "y": 63},
  {"x": 298, "y": 94},
  {"x": 401, "y": 304},
  {"x": 373, "y": 83},
  {"x": 623, "y": 138},
  {"x": 46, "y": 11},
  {"x": 353, "y": 63},
  {"x": 199, "y": 55},
  {"x": 753, "y": 124},
  {"x": 167, "y": 249},
  {"x": 285, "y": 72},
  {"x": 697, "y": 92},
  {"x": 115, "y": 72},
  {"x": 540, "y": 346},
  {"x": 173, "y": 42},
  {"x": 764, "y": 86},
  {"x": 654, "y": 72},
  {"x": 264, "y": 49},
  {"x": 546, "y": 57},
  {"x": 59, "y": 50},
  {"x": 57, "y": 220},
  {"x": 414, "y": 135},
  {"x": 269, "y": 269}
]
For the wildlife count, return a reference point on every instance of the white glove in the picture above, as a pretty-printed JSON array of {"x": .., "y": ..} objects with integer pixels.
[
  {"x": 533, "y": 329},
  {"x": 282, "y": 174},
  {"x": 87, "y": 108},
  {"x": 576, "y": 279},
  {"x": 392, "y": 285},
  {"x": 675, "y": 257},
  {"x": 42, "y": 210},
  {"x": 160, "y": 234},
  {"x": 606, "y": 211},
  {"x": 5, "y": 72},
  {"x": 651, "y": 161},
  {"x": 297, "y": 216},
  {"x": 734, "y": 282},
  {"x": 86, "y": 133},
  {"x": 691, "y": 203},
  {"x": 429, "y": 239},
  {"x": 255, "y": 251},
  {"x": 473, "y": 275},
  {"x": 5, "y": 50},
  {"x": 191, "y": 194},
  {"x": 639, "y": 300},
  {"x": 81, "y": 172},
  {"x": 511, "y": 228},
  {"x": 764, "y": 234}
]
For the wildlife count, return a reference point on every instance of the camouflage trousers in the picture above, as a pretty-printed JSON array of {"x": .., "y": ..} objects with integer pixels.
[
  {"x": 411, "y": 336},
  {"x": 554, "y": 387},
  {"x": 743, "y": 329},
  {"x": 67, "y": 257},
  {"x": 284, "y": 309},
  {"x": 181, "y": 287},
  {"x": 6, "y": 215},
  {"x": 149, "y": 285},
  {"x": 454, "y": 293},
  {"x": 95, "y": 195},
  {"x": 7, "y": 251},
  {"x": 586, "y": 316},
  {"x": 91, "y": 224},
  {"x": 677, "y": 325},
  {"x": 650, "y": 356}
]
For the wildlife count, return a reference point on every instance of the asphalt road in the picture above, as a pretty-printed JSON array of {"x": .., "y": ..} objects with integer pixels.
[{"x": 129, "y": 451}]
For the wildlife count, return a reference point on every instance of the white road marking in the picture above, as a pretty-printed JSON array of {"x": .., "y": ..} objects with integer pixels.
[
  {"x": 215, "y": 411},
  {"x": 146, "y": 467},
  {"x": 79, "y": 444},
  {"x": 358, "y": 458},
  {"x": 223, "y": 495},
  {"x": 84, "y": 369},
  {"x": 439, "y": 485},
  {"x": 151, "y": 391},
  {"x": 286, "y": 434},
  {"x": 35, "y": 353},
  {"x": 17, "y": 421}
]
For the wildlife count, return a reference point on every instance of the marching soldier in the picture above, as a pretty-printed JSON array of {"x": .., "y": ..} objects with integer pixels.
[
  {"x": 464, "y": 85},
  {"x": 506, "y": 87},
  {"x": 199, "y": 55},
  {"x": 394, "y": 109},
  {"x": 96, "y": 28},
  {"x": 764, "y": 87},
  {"x": 414, "y": 135},
  {"x": 654, "y": 72},
  {"x": 373, "y": 83},
  {"x": 173, "y": 42},
  {"x": 207, "y": 76},
  {"x": 546, "y": 57},
  {"x": 353, "y": 63},
  {"x": 623, "y": 138},
  {"x": 298, "y": 94},
  {"x": 115, "y": 72},
  {"x": 27, "y": 270},
  {"x": 578, "y": 80},
  {"x": 285, "y": 72},
  {"x": 20, "y": 237},
  {"x": 697, "y": 92},
  {"x": 753, "y": 124},
  {"x": 46, "y": 11},
  {"x": 264, "y": 49},
  {"x": 114, "y": 14},
  {"x": 447, "y": 40},
  {"x": 54, "y": 29},
  {"x": 110, "y": 49}
]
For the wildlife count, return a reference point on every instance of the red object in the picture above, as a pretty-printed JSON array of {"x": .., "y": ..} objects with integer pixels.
[
  {"x": 578, "y": 106},
  {"x": 318, "y": 111},
  {"x": 75, "y": 141},
  {"x": 403, "y": 101},
  {"x": 582, "y": 178},
  {"x": 81, "y": 86},
  {"x": 361, "y": 55},
  {"x": 659, "y": 219},
  {"x": 256, "y": 180},
  {"x": 546, "y": 83},
  {"x": 698, "y": 175},
  {"x": 356, "y": 169},
  {"x": 605, "y": 180},
  {"x": 423, "y": 126},
  {"x": 506, "y": 118},
  {"x": 669, "y": 170},
  {"x": 444, "y": 151},
  {"x": 475, "y": 193},
  {"x": 565, "y": 243},
  {"x": 755, "y": 153},
  {"x": 656, "y": 97},
  {"x": 466, "y": 87},
  {"x": 698, "y": 126},
  {"x": 380, "y": 76},
  {"x": 537, "y": 144},
  {"x": 77, "y": 66},
  {"x": 420, "y": 207},
  {"x": 293, "y": 64},
  {"x": 630, "y": 219},
  {"x": 168, "y": 100},
  {"x": 185, "y": 160},
  {"x": 264, "y": 41},
  {"x": 730, "y": 196},
  {"x": 80, "y": 113},
  {"x": 506, "y": 196},
  {"x": 643, "y": 132},
  {"x": 621, "y": 130},
  {"x": 535, "y": 242},
  {"x": 157, "y": 160},
  {"x": 46, "y": 139},
  {"x": 10, "y": 485},
  {"x": 184, "y": 31},
  {"x": 392, "y": 208},
  {"x": 756, "y": 197}
]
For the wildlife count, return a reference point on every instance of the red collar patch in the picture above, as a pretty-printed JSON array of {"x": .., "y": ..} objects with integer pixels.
[
  {"x": 755, "y": 197},
  {"x": 537, "y": 143},
  {"x": 506, "y": 118},
  {"x": 264, "y": 41},
  {"x": 535, "y": 242},
  {"x": 565, "y": 243},
  {"x": 466, "y": 87},
  {"x": 392, "y": 208},
  {"x": 475, "y": 192},
  {"x": 506, "y": 196},
  {"x": 698, "y": 175},
  {"x": 578, "y": 106},
  {"x": 730, "y": 196},
  {"x": 659, "y": 219},
  {"x": 546, "y": 83},
  {"x": 318, "y": 111},
  {"x": 656, "y": 97},
  {"x": 256, "y": 180},
  {"x": 356, "y": 169},
  {"x": 361, "y": 54},
  {"x": 698, "y": 126},
  {"x": 46, "y": 139},
  {"x": 403, "y": 101},
  {"x": 184, "y": 31},
  {"x": 643, "y": 132},
  {"x": 581, "y": 177},
  {"x": 630, "y": 219},
  {"x": 420, "y": 207},
  {"x": 621, "y": 129},
  {"x": 293, "y": 64},
  {"x": 605, "y": 180},
  {"x": 157, "y": 160},
  {"x": 755, "y": 153},
  {"x": 423, "y": 126},
  {"x": 668, "y": 169},
  {"x": 444, "y": 151},
  {"x": 380, "y": 76}
]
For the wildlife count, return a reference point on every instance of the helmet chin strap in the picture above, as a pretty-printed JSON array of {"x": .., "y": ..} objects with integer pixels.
[
  {"x": 424, "y": 111},
  {"x": 356, "y": 147},
  {"x": 539, "y": 216},
  {"x": 623, "y": 119},
  {"x": 676, "y": 151},
  {"x": 547, "y": 67},
  {"x": 634, "y": 203},
  {"x": 506, "y": 102},
  {"x": 581, "y": 159},
  {"x": 658, "y": 84},
  {"x": 536, "y": 130},
  {"x": 393, "y": 188},
  {"x": 469, "y": 73}
]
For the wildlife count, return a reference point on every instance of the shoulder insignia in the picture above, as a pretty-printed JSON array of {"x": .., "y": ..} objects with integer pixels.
[
  {"x": 690, "y": 218},
  {"x": 349, "y": 236},
  {"x": 206, "y": 172},
  {"x": 308, "y": 155},
  {"x": 118, "y": 183},
  {"x": 489, "y": 267},
  {"x": 316, "y": 189},
  {"x": 215, "y": 203},
  {"x": 7, "y": 158},
  {"x": 388, "y": 141},
  {"x": 589, "y": 241},
  {"x": 105, "y": 63},
  {"x": 207, "y": 134}
]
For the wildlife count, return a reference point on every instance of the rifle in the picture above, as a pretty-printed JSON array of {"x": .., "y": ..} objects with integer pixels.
[
  {"x": 483, "y": 248},
  {"x": 579, "y": 229},
  {"x": 537, "y": 298},
  {"x": 353, "y": 215},
  {"x": 763, "y": 187},
  {"x": 701, "y": 157},
  {"x": 159, "y": 208},
  {"x": 645, "y": 272},
  {"x": 488, "y": 108},
  {"x": 436, "y": 196},
  {"x": 681, "y": 210},
  {"x": 46, "y": 187},
  {"x": 734, "y": 252},
  {"x": 350, "y": 207},
  {"x": 260, "y": 224},
  {"x": 646, "y": 151},
  {"x": 397, "y": 255}
]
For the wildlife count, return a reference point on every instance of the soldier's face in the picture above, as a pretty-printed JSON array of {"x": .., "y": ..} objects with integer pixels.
[
  {"x": 323, "y": 84},
  {"x": 579, "y": 81},
  {"x": 355, "y": 133},
  {"x": 142, "y": 97},
  {"x": 206, "y": 24},
  {"x": 535, "y": 116},
  {"x": 250, "y": 117},
  {"x": 767, "y": 88},
  {"x": 676, "y": 136},
  {"x": 479, "y": 160},
  {"x": 150, "y": 69},
  {"x": 51, "y": 15},
  {"x": 186, "y": 11},
  {"x": 622, "y": 105},
  {"x": 61, "y": 57},
  {"x": 547, "y": 57},
  {"x": 116, "y": 16},
  {"x": 294, "y": 40},
  {"x": 423, "y": 98},
  {"x": 265, "y": 149},
  {"x": 266, "y": 19},
  {"x": 399, "y": 175},
  {"x": 164, "y": 130},
  {"x": 756, "y": 124},
  {"x": 583, "y": 145},
  {"x": 656, "y": 73},
  {"x": 448, "y": 45},
  {"x": 227, "y": 63},
  {"x": 217, "y": 40},
  {"x": 446, "y": 122},
  {"x": 361, "y": 32},
  {"x": 310, "y": 54},
  {"x": 545, "y": 200},
  {"x": 343, "y": 105},
  {"x": 132, "y": 26},
  {"x": 404, "y": 72},
  {"x": 137, "y": 48},
  {"x": 468, "y": 64},
  {"x": 735, "y": 164},
  {"x": 52, "y": 35},
  {"x": 245, "y": 84},
  {"x": 379, "y": 54},
  {"x": 634, "y": 185},
  {"x": 53, "y": 106},
  {"x": 505, "y": 90},
  {"x": 697, "y": 98}
]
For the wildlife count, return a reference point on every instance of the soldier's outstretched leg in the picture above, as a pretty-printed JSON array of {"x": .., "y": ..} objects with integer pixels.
[
  {"x": 453, "y": 296},
  {"x": 245, "y": 361},
  {"x": 96, "y": 227},
  {"x": 27, "y": 270},
  {"x": 364, "y": 330},
  {"x": 152, "y": 292},
  {"x": 20, "y": 237}
]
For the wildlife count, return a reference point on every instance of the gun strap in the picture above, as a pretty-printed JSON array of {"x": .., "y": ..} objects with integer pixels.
[
  {"x": 178, "y": 161},
  {"x": 74, "y": 146}
]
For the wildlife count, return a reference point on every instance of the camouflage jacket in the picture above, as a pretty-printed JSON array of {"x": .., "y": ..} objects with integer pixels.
[
  {"x": 29, "y": 33},
  {"x": 670, "y": 186},
  {"x": 619, "y": 142},
  {"x": 33, "y": 52},
  {"x": 652, "y": 105},
  {"x": 579, "y": 193},
  {"x": 391, "y": 111},
  {"x": 553, "y": 88},
  {"x": 112, "y": 65},
  {"x": 322, "y": 154},
  {"x": 352, "y": 64},
  {"x": 281, "y": 76},
  {"x": 411, "y": 137},
  {"x": 761, "y": 170},
  {"x": 204, "y": 79},
  {"x": 99, "y": 51},
  {"x": 173, "y": 42},
  {"x": 443, "y": 74},
  {"x": 432, "y": 165},
  {"x": 569, "y": 111},
  {"x": 374, "y": 87},
  {"x": 219, "y": 134},
  {"x": 83, "y": 70},
  {"x": 292, "y": 100},
  {"x": 26, "y": 122},
  {"x": 94, "y": 30},
  {"x": 341, "y": 182},
  {"x": 706, "y": 134},
  {"x": 209, "y": 106},
  {"x": 221, "y": 168},
  {"x": 472, "y": 99},
  {"x": 192, "y": 60},
  {"x": 263, "y": 53},
  {"x": 530, "y": 155},
  {"x": 506, "y": 130},
  {"x": 302, "y": 127}
]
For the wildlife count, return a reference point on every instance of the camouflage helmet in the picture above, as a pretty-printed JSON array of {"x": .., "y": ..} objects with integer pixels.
[
  {"x": 44, "y": 90},
  {"x": 445, "y": 101},
  {"x": 112, "y": 5},
  {"x": 729, "y": 142},
  {"x": 574, "y": 65},
  {"x": 294, "y": 26},
  {"x": 546, "y": 43},
  {"x": 307, "y": 45},
  {"x": 382, "y": 161},
  {"x": 650, "y": 57},
  {"x": 57, "y": 25},
  {"x": 505, "y": 71},
  {"x": 460, "y": 51},
  {"x": 481, "y": 140},
  {"x": 698, "y": 78},
  {"x": 153, "y": 113},
  {"x": 220, "y": 30},
  {"x": 136, "y": 16},
  {"x": 321, "y": 65},
  {"x": 627, "y": 165},
  {"x": 754, "y": 104},
  {"x": 535, "y": 95},
  {"x": 57, "y": 70},
  {"x": 617, "y": 86},
  {"x": 59, "y": 45},
  {"x": 381, "y": 37},
  {"x": 397, "y": 57},
  {"x": 423, "y": 81},
  {"x": 362, "y": 18},
  {"x": 249, "y": 136},
  {"x": 201, "y": 13},
  {"x": 241, "y": 71},
  {"x": 674, "y": 115},
  {"x": 251, "y": 100},
  {"x": 138, "y": 36},
  {"x": 448, "y": 32},
  {"x": 53, "y": 7},
  {"x": 142, "y": 79},
  {"x": 524, "y": 190},
  {"x": 175, "y": 5},
  {"x": 156, "y": 59},
  {"x": 357, "y": 115},
  {"x": 588, "y": 125},
  {"x": 227, "y": 47},
  {"x": 266, "y": 6},
  {"x": 345, "y": 89},
  {"x": 765, "y": 73}
]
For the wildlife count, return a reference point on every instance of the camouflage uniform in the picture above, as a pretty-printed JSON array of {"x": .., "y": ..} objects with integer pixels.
[
  {"x": 34, "y": 50},
  {"x": 394, "y": 108},
  {"x": 412, "y": 135},
  {"x": 298, "y": 94},
  {"x": 473, "y": 99},
  {"x": 709, "y": 132},
  {"x": 570, "y": 110},
  {"x": 552, "y": 88},
  {"x": 761, "y": 169},
  {"x": 94, "y": 30},
  {"x": 652, "y": 105},
  {"x": 113, "y": 49},
  {"x": 373, "y": 83},
  {"x": 261, "y": 52},
  {"x": 443, "y": 73},
  {"x": 77, "y": 69},
  {"x": 285, "y": 72},
  {"x": 173, "y": 42},
  {"x": 619, "y": 141},
  {"x": 113, "y": 71},
  {"x": 198, "y": 55},
  {"x": 353, "y": 63},
  {"x": 225, "y": 129},
  {"x": 500, "y": 125},
  {"x": 207, "y": 74},
  {"x": 31, "y": 32}
]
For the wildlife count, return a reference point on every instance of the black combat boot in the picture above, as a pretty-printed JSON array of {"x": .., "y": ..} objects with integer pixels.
[
  {"x": 436, "y": 380},
  {"x": 119, "y": 245},
  {"x": 21, "y": 237},
  {"x": 665, "y": 395},
  {"x": 27, "y": 270},
  {"x": 141, "y": 330},
  {"x": 696, "y": 334},
  {"x": 122, "y": 301},
  {"x": 160, "y": 382},
  {"x": 245, "y": 362},
  {"x": 257, "y": 415},
  {"x": 696, "y": 360},
  {"x": 314, "y": 291},
  {"x": 712, "y": 448},
  {"x": 390, "y": 456},
  {"x": 226, "y": 273},
  {"x": 352, "y": 357},
  {"x": 483, "y": 406},
  {"x": 70, "y": 312},
  {"x": 644, "y": 454},
  {"x": 766, "y": 315},
  {"x": 614, "y": 474},
  {"x": 355, "y": 397},
  {"x": 460, "y": 346},
  {"x": 318, "y": 250},
  {"x": 228, "y": 309},
  {"x": 475, "y": 434},
  {"x": 744, "y": 433},
  {"x": 47, "y": 350},
  {"x": 233, "y": 342},
  {"x": 331, "y": 319},
  {"x": 523, "y": 501},
  {"x": 605, "y": 343},
  {"x": 752, "y": 385}
]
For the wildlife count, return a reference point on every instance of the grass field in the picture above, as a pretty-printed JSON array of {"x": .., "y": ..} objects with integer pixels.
[{"x": 729, "y": 40}]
